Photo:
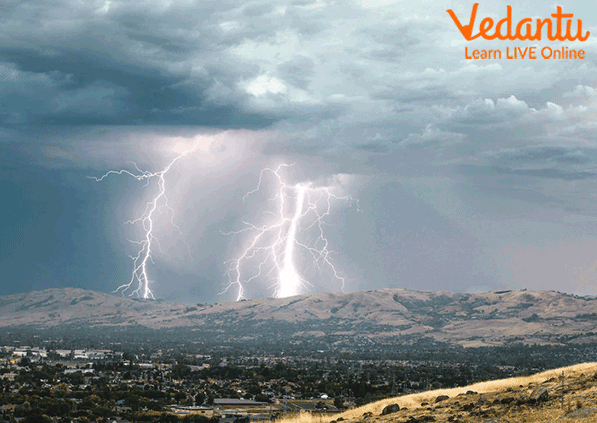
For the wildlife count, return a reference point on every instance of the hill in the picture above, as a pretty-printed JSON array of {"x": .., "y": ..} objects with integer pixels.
[
  {"x": 564, "y": 394},
  {"x": 484, "y": 319}
]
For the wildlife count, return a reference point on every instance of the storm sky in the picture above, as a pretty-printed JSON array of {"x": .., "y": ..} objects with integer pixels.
[{"x": 471, "y": 175}]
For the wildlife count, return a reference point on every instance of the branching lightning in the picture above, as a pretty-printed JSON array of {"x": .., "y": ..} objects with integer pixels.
[
  {"x": 139, "y": 278},
  {"x": 296, "y": 230}
]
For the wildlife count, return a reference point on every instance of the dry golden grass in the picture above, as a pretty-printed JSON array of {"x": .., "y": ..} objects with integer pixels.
[
  {"x": 415, "y": 400},
  {"x": 522, "y": 414},
  {"x": 304, "y": 417}
]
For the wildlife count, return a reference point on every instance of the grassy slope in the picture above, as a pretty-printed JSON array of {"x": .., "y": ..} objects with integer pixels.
[{"x": 548, "y": 413}]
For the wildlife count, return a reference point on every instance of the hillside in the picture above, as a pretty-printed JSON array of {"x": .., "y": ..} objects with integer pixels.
[
  {"x": 491, "y": 318},
  {"x": 544, "y": 397}
]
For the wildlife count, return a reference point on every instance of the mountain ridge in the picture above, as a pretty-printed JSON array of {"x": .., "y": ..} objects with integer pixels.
[{"x": 489, "y": 318}]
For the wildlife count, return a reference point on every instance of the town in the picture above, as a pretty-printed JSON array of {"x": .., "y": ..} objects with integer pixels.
[{"x": 47, "y": 384}]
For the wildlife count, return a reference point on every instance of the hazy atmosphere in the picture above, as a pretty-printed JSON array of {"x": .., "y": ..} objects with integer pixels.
[{"x": 440, "y": 172}]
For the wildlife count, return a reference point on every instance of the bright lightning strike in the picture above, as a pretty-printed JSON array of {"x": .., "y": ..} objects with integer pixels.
[
  {"x": 295, "y": 231},
  {"x": 139, "y": 277}
]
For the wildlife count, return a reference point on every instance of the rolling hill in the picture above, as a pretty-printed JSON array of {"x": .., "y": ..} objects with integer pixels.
[{"x": 484, "y": 319}]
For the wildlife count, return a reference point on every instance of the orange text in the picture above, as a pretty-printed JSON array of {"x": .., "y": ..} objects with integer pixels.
[{"x": 524, "y": 29}]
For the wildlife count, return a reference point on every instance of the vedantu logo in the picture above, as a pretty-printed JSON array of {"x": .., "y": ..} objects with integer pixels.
[
  {"x": 487, "y": 24},
  {"x": 557, "y": 29}
]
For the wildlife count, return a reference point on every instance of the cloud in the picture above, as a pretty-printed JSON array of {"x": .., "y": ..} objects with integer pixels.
[
  {"x": 536, "y": 173},
  {"x": 392, "y": 71},
  {"x": 581, "y": 91},
  {"x": 544, "y": 155},
  {"x": 339, "y": 88}
]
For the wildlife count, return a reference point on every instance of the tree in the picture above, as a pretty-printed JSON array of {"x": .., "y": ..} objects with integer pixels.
[
  {"x": 199, "y": 398},
  {"x": 180, "y": 371},
  {"x": 37, "y": 417},
  {"x": 338, "y": 402},
  {"x": 61, "y": 390},
  {"x": 262, "y": 398},
  {"x": 180, "y": 396}
]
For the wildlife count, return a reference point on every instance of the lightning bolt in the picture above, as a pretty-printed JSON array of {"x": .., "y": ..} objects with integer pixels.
[
  {"x": 274, "y": 248},
  {"x": 139, "y": 276}
]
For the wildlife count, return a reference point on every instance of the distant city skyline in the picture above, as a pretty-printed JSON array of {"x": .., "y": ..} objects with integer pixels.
[{"x": 470, "y": 174}]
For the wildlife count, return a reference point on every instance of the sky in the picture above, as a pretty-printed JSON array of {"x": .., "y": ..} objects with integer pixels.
[{"x": 446, "y": 173}]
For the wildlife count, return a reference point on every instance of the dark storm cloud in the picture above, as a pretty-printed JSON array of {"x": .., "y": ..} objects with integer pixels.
[
  {"x": 119, "y": 63},
  {"x": 363, "y": 87},
  {"x": 88, "y": 90},
  {"x": 129, "y": 66},
  {"x": 233, "y": 64}
]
